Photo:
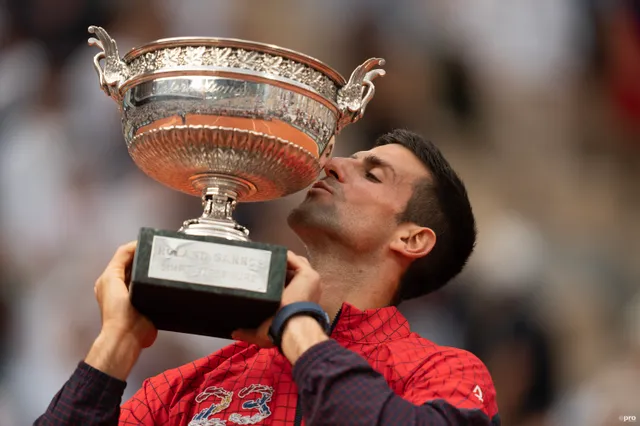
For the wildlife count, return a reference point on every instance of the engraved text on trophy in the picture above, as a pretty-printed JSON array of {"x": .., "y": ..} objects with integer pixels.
[{"x": 208, "y": 263}]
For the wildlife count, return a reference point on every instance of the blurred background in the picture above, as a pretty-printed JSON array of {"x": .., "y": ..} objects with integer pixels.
[{"x": 535, "y": 102}]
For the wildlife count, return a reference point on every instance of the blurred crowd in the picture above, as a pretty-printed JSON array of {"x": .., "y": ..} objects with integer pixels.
[{"x": 535, "y": 102}]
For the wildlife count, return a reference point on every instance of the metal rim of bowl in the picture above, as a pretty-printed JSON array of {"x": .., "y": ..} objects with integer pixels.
[{"x": 310, "y": 61}]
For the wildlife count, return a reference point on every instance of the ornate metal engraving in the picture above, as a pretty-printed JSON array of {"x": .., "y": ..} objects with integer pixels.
[{"x": 229, "y": 120}]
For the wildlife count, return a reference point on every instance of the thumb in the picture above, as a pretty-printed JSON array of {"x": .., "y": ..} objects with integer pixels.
[{"x": 251, "y": 337}]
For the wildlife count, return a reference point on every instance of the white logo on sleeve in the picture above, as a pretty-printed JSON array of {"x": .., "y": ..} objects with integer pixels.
[{"x": 477, "y": 392}]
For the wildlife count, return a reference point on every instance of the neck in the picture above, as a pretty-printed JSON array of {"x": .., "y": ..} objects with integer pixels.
[{"x": 366, "y": 282}]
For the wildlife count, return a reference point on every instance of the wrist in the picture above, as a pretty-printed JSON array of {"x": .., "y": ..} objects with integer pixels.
[
  {"x": 114, "y": 353},
  {"x": 113, "y": 332},
  {"x": 301, "y": 333},
  {"x": 289, "y": 311}
]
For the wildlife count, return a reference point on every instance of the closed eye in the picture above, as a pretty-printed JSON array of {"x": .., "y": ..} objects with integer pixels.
[
  {"x": 372, "y": 177},
  {"x": 373, "y": 162}
]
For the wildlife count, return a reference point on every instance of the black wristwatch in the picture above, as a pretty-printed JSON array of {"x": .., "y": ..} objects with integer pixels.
[{"x": 294, "y": 309}]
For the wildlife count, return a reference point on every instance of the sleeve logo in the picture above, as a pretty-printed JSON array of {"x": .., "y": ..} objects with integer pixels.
[{"x": 477, "y": 392}]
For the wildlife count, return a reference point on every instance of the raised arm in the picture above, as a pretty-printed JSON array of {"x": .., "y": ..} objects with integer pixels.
[{"x": 93, "y": 394}]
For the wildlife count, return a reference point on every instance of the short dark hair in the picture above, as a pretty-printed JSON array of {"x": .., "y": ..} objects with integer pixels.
[{"x": 440, "y": 203}]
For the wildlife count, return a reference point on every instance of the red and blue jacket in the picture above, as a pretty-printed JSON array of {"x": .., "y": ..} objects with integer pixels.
[{"x": 374, "y": 370}]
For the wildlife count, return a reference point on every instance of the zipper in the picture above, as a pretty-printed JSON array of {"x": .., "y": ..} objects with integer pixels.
[{"x": 298, "y": 418}]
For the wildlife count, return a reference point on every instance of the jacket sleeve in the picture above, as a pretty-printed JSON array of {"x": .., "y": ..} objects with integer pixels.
[
  {"x": 338, "y": 387},
  {"x": 454, "y": 379},
  {"x": 89, "y": 398}
]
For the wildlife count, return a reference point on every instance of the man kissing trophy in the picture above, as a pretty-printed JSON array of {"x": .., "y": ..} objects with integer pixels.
[{"x": 229, "y": 121}]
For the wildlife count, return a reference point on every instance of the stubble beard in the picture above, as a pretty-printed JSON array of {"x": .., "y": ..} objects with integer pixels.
[{"x": 311, "y": 219}]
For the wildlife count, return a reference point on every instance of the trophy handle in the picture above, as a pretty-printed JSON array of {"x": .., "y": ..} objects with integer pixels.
[
  {"x": 359, "y": 90},
  {"x": 115, "y": 71}
]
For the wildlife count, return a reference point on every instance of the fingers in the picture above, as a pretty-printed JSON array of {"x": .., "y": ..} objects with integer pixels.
[
  {"x": 304, "y": 285},
  {"x": 299, "y": 265},
  {"x": 289, "y": 276},
  {"x": 248, "y": 336},
  {"x": 117, "y": 266},
  {"x": 296, "y": 265},
  {"x": 258, "y": 336},
  {"x": 252, "y": 337},
  {"x": 295, "y": 262},
  {"x": 122, "y": 258}
]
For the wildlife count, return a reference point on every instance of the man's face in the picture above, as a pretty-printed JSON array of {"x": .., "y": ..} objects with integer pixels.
[{"x": 359, "y": 199}]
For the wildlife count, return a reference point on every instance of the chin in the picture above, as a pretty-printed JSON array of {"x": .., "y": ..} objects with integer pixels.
[
  {"x": 312, "y": 216},
  {"x": 300, "y": 214}
]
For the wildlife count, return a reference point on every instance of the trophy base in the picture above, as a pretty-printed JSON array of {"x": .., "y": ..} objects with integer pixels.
[{"x": 205, "y": 285}]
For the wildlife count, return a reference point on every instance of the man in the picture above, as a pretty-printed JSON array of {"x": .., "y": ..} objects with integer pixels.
[{"x": 385, "y": 225}]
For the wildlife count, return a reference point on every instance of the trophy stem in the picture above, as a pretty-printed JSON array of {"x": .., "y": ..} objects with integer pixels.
[
  {"x": 219, "y": 200},
  {"x": 218, "y": 204}
]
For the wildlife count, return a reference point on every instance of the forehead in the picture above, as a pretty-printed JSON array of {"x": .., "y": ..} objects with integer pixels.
[{"x": 403, "y": 161}]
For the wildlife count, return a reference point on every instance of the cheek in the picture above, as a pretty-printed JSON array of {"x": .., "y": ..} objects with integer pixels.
[
  {"x": 365, "y": 227},
  {"x": 380, "y": 199},
  {"x": 372, "y": 209}
]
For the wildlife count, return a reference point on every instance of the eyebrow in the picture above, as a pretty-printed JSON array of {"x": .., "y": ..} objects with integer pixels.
[{"x": 372, "y": 161}]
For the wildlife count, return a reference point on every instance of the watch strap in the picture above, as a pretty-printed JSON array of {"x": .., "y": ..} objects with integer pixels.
[{"x": 287, "y": 312}]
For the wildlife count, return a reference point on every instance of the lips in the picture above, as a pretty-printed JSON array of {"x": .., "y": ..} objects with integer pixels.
[{"x": 322, "y": 185}]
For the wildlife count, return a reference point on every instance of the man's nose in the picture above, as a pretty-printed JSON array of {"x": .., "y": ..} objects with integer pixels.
[{"x": 336, "y": 167}]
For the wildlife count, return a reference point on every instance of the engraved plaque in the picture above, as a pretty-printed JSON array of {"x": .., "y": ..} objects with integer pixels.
[{"x": 208, "y": 263}]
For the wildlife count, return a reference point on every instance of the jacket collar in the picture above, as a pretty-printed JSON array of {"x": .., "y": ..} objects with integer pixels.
[{"x": 371, "y": 325}]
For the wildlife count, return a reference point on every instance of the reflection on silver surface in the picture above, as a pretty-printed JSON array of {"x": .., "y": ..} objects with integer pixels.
[{"x": 229, "y": 120}]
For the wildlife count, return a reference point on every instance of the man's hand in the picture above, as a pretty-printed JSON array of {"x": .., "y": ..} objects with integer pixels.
[
  {"x": 304, "y": 286},
  {"x": 125, "y": 332},
  {"x": 119, "y": 317}
]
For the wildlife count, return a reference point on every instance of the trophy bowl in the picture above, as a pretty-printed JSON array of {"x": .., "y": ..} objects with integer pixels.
[{"x": 229, "y": 121}]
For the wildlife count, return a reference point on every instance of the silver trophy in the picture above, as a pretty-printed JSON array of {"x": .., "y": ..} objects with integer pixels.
[{"x": 229, "y": 121}]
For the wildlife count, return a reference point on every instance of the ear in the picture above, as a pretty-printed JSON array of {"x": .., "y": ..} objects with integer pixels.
[{"x": 413, "y": 241}]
